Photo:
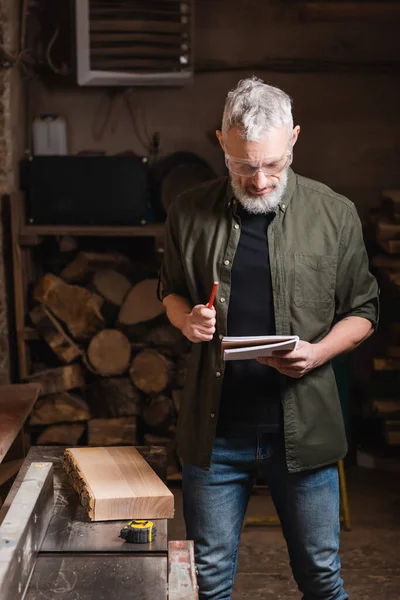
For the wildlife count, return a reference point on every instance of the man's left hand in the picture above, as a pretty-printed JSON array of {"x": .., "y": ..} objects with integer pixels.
[{"x": 295, "y": 363}]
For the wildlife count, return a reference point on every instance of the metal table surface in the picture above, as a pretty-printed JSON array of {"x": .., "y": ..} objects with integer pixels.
[{"x": 84, "y": 560}]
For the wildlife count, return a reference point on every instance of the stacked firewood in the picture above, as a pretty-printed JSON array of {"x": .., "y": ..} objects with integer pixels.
[
  {"x": 121, "y": 364},
  {"x": 385, "y": 405}
]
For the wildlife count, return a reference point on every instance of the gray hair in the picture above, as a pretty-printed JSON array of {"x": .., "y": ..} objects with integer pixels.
[{"x": 256, "y": 107}]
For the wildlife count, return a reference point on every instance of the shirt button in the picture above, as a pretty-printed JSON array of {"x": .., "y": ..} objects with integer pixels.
[
  {"x": 218, "y": 374},
  {"x": 227, "y": 262},
  {"x": 222, "y": 299},
  {"x": 212, "y": 415},
  {"x": 236, "y": 226}
]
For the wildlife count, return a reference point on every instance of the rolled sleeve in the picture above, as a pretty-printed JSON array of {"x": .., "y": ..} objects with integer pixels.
[
  {"x": 172, "y": 278},
  {"x": 357, "y": 292}
]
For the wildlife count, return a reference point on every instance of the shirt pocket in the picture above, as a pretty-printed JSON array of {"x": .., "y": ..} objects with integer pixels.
[{"x": 315, "y": 280}]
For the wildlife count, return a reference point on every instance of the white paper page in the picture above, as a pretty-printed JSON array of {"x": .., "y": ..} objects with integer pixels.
[{"x": 250, "y": 352}]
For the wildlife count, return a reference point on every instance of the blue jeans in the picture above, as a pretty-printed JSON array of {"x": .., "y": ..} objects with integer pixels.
[{"x": 307, "y": 503}]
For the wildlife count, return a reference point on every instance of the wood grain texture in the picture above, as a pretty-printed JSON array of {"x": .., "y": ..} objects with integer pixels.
[
  {"x": 16, "y": 402},
  {"x": 59, "y": 408},
  {"x": 116, "y": 483},
  {"x": 111, "y": 285},
  {"x": 141, "y": 303},
  {"x": 59, "y": 379},
  {"x": 65, "y": 434},
  {"x": 109, "y": 353},
  {"x": 77, "y": 307},
  {"x": 151, "y": 372},
  {"x": 53, "y": 333},
  {"x": 112, "y": 432}
]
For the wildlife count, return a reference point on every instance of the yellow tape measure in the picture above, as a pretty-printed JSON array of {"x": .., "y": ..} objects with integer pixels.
[{"x": 139, "y": 531}]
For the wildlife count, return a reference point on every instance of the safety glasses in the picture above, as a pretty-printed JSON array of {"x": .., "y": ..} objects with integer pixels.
[{"x": 249, "y": 168}]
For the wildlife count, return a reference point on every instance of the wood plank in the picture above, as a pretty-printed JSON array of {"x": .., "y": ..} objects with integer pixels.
[
  {"x": 151, "y": 230},
  {"x": 117, "y": 484},
  {"x": 16, "y": 402},
  {"x": 182, "y": 580}
]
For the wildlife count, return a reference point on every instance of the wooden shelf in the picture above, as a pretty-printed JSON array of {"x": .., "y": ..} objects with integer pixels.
[{"x": 29, "y": 234}]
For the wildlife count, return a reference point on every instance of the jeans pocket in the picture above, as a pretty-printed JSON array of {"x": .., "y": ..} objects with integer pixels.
[{"x": 315, "y": 280}]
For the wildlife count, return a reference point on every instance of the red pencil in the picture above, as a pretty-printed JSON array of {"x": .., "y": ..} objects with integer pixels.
[{"x": 212, "y": 295}]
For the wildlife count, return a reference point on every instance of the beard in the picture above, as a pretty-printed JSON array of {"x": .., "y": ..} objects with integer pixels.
[{"x": 260, "y": 205}]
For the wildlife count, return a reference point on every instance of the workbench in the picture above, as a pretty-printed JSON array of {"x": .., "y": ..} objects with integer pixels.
[{"x": 72, "y": 558}]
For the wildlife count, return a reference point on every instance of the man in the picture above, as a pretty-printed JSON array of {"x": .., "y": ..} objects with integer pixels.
[{"x": 289, "y": 256}]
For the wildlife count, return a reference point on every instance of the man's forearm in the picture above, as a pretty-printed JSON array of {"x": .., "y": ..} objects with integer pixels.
[
  {"x": 177, "y": 309},
  {"x": 344, "y": 337}
]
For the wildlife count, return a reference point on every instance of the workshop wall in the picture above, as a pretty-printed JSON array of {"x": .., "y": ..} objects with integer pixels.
[
  {"x": 11, "y": 147},
  {"x": 350, "y": 120}
]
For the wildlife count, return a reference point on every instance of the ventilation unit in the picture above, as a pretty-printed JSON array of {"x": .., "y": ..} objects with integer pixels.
[{"x": 134, "y": 42}]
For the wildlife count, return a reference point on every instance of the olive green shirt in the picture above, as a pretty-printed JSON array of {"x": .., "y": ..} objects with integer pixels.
[{"x": 320, "y": 274}]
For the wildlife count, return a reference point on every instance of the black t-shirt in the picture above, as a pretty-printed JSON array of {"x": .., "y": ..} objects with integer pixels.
[{"x": 250, "y": 390}]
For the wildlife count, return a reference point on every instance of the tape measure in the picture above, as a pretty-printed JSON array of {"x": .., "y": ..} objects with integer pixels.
[{"x": 139, "y": 531}]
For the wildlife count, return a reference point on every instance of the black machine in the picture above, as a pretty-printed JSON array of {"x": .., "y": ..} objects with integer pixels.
[{"x": 86, "y": 190}]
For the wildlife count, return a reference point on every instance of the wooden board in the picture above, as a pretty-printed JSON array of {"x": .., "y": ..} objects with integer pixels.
[
  {"x": 16, "y": 402},
  {"x": 116, "y": 483}
]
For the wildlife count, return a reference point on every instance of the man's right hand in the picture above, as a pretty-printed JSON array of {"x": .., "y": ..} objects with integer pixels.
[{"x": 199, "y": 324}]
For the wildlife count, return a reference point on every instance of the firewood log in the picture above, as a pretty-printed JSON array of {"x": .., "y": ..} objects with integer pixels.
[
  {"x": 109, "y": 353},
  {"x": 113, "y": 397},
  {"x": 151, "y": 371},
  {"x": 68, "y": 434},
  {"x": 111, "y": 285},
  {"x": 141, "y": 304},
  {"x": 169, "y": 443},
  {"x": 57, "y": 380},
  {"x": 87, "y": 263},
  {"x": 53, "y": 333},
  {"x": 59, "y": 408},
  {"x": 112, "y": 432},
  {"x": 79, "y": 308},
  {"x": 158, "y": 414},
  {"x": 167, "y": 337}
]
